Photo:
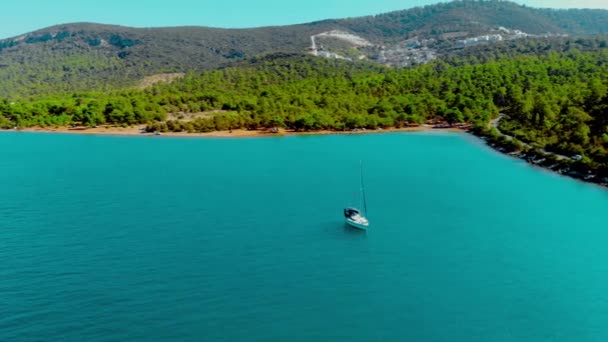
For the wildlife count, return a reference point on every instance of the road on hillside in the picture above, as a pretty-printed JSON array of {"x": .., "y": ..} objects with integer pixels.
[{"x": 494, "y": 124}]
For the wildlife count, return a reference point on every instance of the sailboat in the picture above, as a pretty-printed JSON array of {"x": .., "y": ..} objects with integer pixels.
[{"x": 354, "y": 217}]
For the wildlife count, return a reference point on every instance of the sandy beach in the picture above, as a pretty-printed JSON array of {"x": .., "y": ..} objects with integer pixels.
[{"x": 236, "y": 133}]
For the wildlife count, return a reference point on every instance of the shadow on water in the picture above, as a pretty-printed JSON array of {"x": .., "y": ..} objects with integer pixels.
[{"x": 358, "y": 233}]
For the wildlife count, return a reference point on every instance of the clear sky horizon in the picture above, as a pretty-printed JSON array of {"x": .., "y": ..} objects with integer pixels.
[{"x": 29, "y": 15}]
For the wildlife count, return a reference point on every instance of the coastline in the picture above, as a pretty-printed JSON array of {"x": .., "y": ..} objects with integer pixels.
[
  {"x": 236, "y": 133},
  {"x": 535, "y": 157},
  {"x": 542, "y": 159}
]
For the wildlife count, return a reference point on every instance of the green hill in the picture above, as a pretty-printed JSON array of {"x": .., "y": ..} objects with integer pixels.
[{"x": 87, "y": 56}]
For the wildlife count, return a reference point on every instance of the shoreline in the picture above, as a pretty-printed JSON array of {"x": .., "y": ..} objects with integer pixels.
[
  {"x": 236, "y": 133},
  {"x": 545, "y": 161},
  {"x": 533, "y": 158}
]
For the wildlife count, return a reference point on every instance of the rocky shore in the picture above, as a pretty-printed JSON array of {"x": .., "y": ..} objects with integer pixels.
[{"x": 573, "y": 166}]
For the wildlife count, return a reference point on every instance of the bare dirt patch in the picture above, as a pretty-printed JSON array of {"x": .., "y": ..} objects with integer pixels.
[{"x": 149, "y": 81}]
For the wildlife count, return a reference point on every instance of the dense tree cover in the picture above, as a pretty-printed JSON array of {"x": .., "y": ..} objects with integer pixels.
[
  {"x": 561, "y": 105},
  {"x": 300, "y": 94},
  {"x": 557, "y": 101},
  {"x": 83, "y": 56},
  {"x": 63, "y": 71},
  {"x": 91, "y": 109}
]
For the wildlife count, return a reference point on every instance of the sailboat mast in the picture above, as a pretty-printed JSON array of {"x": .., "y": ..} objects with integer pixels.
[{"x": 363, "y": 191}]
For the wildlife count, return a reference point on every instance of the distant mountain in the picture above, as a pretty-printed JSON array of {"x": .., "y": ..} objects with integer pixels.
[{"x": 93, "y": 56}]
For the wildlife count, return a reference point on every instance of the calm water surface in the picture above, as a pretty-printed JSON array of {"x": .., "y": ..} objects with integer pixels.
[{"x": 163, "y": 239}]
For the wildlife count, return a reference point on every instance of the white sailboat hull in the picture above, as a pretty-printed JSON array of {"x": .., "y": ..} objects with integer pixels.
[{"x": 363, "y": 225}]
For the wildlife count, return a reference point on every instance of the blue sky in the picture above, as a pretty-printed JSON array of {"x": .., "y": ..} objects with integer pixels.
[{"x": 21, "y": 16}]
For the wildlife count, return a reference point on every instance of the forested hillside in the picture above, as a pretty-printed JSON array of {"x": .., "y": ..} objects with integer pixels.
[
  {"x": 76, "y": 57},
  {"x": 468, "y": 61},
  {"x": 556, "y": 101}
]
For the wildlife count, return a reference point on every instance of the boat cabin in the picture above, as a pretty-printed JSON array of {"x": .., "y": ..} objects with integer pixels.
[{"x": 350, "y": 212}]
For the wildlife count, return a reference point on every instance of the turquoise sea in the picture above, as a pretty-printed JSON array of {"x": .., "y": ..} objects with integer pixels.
[{"x": 185, "y": 239}]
